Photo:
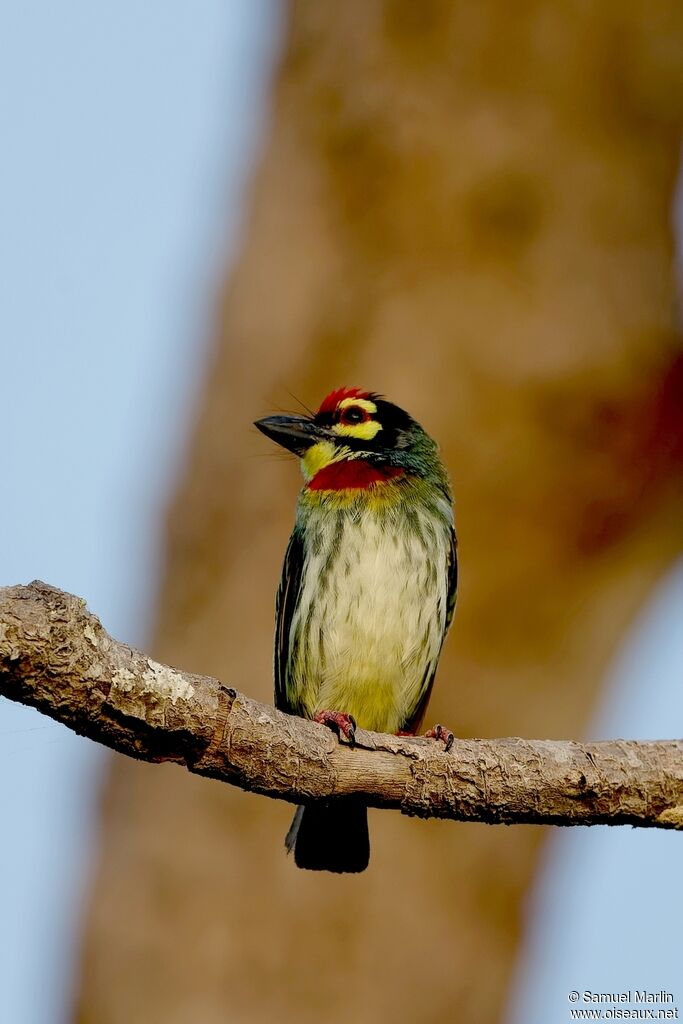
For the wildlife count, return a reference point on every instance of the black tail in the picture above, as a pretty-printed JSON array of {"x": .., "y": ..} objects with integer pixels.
[{"x": 330, "y": 836}]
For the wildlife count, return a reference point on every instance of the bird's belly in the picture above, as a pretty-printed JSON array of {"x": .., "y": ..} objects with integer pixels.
[{"x": 371, "y": 625}]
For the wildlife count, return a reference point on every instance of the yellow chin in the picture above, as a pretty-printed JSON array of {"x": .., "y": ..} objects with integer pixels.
[{"x": 320, "y": 455}]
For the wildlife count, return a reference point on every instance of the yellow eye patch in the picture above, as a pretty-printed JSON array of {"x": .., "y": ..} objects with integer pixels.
[
  {"x": 360, "y": 403},
  {"x": 364, "y": 431}
]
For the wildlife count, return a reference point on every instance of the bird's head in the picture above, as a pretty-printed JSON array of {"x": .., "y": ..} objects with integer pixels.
[{"x": 354, "y": 440}]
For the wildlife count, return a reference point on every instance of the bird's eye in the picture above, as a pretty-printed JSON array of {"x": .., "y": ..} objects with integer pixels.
[{"x": 353, "y": 414}]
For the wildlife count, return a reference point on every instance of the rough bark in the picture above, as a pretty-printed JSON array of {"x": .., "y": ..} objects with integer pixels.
[
  {"x": 466, "y": 207},
  {"x": 55, "y": 656}
]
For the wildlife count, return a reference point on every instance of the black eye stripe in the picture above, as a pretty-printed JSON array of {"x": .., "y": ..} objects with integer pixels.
[
  {"x": 393, "y": 421},
  {"x": 353, "y": 414}
]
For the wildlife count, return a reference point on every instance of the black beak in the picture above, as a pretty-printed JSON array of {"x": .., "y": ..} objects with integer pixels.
[{"x": 295, "y": 433}]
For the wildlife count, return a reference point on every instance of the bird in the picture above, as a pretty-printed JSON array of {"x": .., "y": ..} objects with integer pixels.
[{"x": 367, "y": 592}]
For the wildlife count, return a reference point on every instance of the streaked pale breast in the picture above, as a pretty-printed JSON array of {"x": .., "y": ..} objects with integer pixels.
[{"x": 371, "y": 616}]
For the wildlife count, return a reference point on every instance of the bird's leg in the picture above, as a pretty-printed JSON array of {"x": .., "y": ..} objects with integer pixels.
[
  {"x": 341, "y": 723},
  {"x": 441, "y": 734}
]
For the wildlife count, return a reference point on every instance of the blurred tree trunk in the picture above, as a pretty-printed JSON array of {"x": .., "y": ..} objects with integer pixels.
[{"x": 468, "y": 208}]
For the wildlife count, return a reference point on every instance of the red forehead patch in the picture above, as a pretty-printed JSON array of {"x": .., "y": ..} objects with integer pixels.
[{"x": 330, "y": 403}]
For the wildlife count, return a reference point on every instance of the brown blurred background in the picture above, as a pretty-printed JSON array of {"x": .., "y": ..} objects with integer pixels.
[{"x": 467, "y": 207}]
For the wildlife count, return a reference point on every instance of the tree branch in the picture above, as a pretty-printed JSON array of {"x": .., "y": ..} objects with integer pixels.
[{"x": 56, "y": 656}]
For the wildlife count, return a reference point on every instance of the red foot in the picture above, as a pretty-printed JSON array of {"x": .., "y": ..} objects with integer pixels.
[
  {"x": 341, "y": 723},
  {"x": 442, "y": 734}
]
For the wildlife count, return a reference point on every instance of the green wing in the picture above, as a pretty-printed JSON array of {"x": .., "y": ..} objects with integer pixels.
[
  {"x": 452, "y": 587},
  {"x": 285, "y": 604},
  {"x": 412, "y": 724}
]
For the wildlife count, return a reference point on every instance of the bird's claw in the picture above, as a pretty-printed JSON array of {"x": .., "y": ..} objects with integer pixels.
[
  {"x": 341, "y": 723},
  {"x": 441, "y": 734}
]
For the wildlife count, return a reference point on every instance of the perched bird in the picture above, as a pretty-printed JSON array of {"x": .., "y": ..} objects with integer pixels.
[{"x": 367, "y": 592}]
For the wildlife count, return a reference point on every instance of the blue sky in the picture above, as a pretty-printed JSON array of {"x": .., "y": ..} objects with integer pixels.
[
  {"x": 606, "y": 914},
  {"x": 128, "y": 132}
]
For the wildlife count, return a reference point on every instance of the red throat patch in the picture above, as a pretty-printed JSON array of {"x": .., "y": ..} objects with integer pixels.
[
  {"x": 353, "y": 474},
  {"x": 330, "y": 403}
]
